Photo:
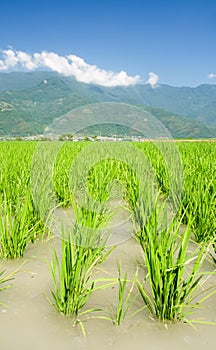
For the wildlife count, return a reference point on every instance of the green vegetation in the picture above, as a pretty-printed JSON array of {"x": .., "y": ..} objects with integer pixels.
[
  {"x": 199, "y": 199},
  {"x": 72, "y": 275},
  {"x": 125, "y": 298},
  {"x": 20, "y": 222},
  {"x": 94, "y": 181},
  {"x": 4, "y": 279},
  {"x": 45, "y": 96},
  {"x": 173, "y": 288},
  {"x": 16, "y": 229}
]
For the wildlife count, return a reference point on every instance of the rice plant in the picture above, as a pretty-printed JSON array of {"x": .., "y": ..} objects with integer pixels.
[
  {"x": 14, "y": 230},
  {"x": 70, "y": 276},
  {"x": 19, "y": 221},
  {"x": 125, "y": 299},
  {"x": 82, "y": 250},
  {"x": 173, "y": 272},
  {"x": 3, "y": 280},
  {"x": 200, "y": 189}
]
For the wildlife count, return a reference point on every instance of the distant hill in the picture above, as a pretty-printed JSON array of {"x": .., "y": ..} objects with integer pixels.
[
  {"x": 29, "y": 102},
  {"x": 20, "y": 81}
]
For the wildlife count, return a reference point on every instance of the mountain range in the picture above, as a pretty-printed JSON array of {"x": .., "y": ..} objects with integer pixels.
[{"x": 31, "y": 102}]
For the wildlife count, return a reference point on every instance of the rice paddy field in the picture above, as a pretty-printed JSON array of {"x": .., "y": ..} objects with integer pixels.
[{"x": 107, "y": 245}]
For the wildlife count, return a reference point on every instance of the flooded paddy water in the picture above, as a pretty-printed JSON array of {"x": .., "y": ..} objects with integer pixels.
[{"x": 28, "y": 321}]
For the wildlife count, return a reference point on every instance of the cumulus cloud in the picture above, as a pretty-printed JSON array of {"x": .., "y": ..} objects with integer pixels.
[
  {"x": 153, "y": 80},
  {"x": 211, "y": 75},
  {"x": 70, "y": 65}
]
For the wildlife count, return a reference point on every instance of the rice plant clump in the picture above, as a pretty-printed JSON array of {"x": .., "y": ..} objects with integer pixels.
[
  {"x": 15, "y": 232},
  {"x": 72, "y": 273},
  {"x": 173, "y": 272},
  {"x": 200, "y": 189}
]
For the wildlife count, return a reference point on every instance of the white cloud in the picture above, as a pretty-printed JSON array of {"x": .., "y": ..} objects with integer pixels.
[
  {"x": 9, "y": 59},
  {"x": 153, "y": 80},
  {"x": 211, "y": 75},
  {"x": 70, "y": 65},
  {"x": 25, "y": 60}
]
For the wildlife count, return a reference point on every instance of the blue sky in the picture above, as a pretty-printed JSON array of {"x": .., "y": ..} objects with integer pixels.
[{"x": 174, "y": 39}]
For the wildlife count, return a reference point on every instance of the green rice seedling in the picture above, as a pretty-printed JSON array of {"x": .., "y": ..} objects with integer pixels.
[
  {"x": 72, "y": 274},
  {"x": 73, "y": 289},
  {"x": 83, "y": 247},
  {"x": 201, "y": 203},
  {"x": 15, "y": 229},
  {"x": 199, "y": 198},
  {"x": 121, "y": 311},
  {"x": 101, "y": 176},
  {"x": 156, "y": 152},
  {"x": 4, "y": 279},
  {"x": 62, "y": 171},
  {"x": 199, "y": 174},
  {"x": 159, "y": 165},
  {"x": 15, "y": 160},
  {"x": 37, "y": 229},
  {"x": 19, "y": 219},
  {"x": 171, "y": 286},
  {"x": 205, "y": 212},
  {"x": 125, "y": 299}
]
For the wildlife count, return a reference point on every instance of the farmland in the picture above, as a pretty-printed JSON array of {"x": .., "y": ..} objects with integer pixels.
[{"x": 161, "y": 266}]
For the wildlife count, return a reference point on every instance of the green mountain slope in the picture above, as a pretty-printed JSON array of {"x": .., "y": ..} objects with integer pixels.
[
  {"x": 35, "y": 108},
  {"x": 21, "y": 80},
  {"x": 30, "y": 110}
]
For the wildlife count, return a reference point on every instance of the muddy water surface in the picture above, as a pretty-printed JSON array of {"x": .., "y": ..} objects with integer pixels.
[{"x": 29, "y": 322}]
